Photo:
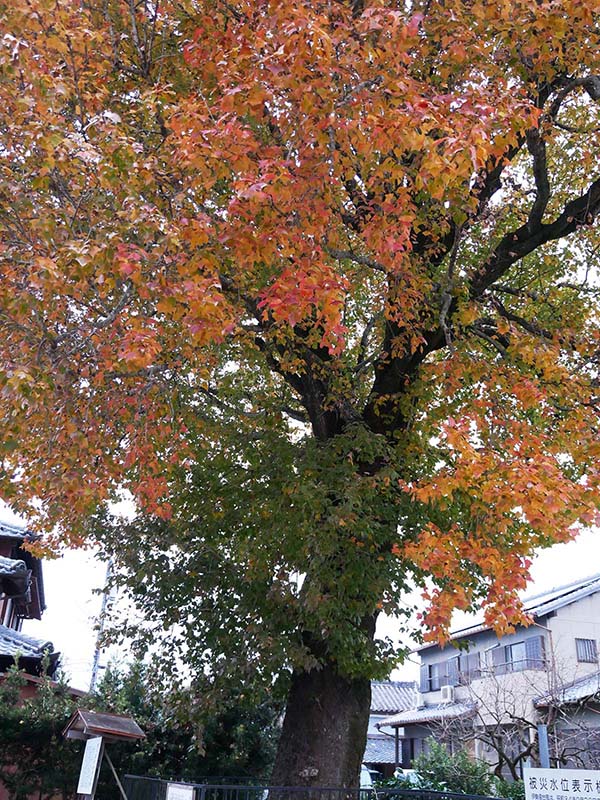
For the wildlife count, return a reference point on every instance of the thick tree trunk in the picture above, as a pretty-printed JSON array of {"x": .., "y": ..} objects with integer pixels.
[{"x": 324, "y": 730}]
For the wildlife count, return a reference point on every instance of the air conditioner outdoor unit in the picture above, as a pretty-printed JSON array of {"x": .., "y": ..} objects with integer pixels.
[{"x": 447, "y": 694}]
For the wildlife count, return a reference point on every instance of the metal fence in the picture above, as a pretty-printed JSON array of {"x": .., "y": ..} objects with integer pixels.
[{"x": 139, "y": 788}]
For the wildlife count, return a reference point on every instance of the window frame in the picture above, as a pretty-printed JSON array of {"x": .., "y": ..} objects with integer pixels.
[{"x": 586, "y": 650}]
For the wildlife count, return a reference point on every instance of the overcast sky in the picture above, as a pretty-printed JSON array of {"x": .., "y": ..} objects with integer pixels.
[{"x": 72, "y": 605}]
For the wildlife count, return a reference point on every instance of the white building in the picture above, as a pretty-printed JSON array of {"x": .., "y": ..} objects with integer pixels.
[{"x": 490, "y": 693}]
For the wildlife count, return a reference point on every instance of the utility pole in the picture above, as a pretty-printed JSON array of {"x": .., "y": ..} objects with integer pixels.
[{"x": 101, "y": 621}]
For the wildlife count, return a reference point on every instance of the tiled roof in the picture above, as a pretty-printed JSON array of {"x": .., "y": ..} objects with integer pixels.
[
  {"x": 380, "y": 750},
  {"x": 432, "y": 713},
  {"x": 539, "y": 605},
  {"x": 12, "y": 566},
  {"x": 13, "y": 642},
  {"x": 10, "y": 531},
  {"x": 570, "y": 693},
  {"x": 14, "y": 577},
  {"x": 18, "y": 534},
  {"x": 389, "y": 697}
]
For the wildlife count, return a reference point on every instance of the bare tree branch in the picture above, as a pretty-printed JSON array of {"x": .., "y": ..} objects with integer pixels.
[{"x": 350, "y": 255}]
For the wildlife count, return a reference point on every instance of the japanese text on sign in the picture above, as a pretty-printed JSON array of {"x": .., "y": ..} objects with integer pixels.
[
  {"x": 561, "y": 784},
  {"x": 90, "y": 765}
]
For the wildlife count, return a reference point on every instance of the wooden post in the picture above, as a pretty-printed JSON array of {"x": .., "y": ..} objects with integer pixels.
[{"x": 114, "y": 772}]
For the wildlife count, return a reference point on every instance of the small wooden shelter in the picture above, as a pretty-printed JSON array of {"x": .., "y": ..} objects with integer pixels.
[
  {"x": 111, "y": 727},
  {"x": 97, "y": 728}
]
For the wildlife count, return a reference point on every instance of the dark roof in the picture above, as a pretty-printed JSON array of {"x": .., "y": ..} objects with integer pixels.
[
  {"x": 14, "y": 577},
  {"x": 13, "y": 642},
  {"x": 538, "y": 605},
  {"x": 380, "y": 750},
  {"x": 113, "y": 727},
  {"x": 34, "y": 604},
  {"x": 389, "y": 697}
]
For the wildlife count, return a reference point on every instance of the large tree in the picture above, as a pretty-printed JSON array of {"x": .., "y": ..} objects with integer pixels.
[{"x": 314, "y": 281}]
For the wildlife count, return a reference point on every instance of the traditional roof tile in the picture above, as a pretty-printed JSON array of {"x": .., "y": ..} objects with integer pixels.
[
  {"x": 380, "y": 750},
  {"x": 10, "y": 531},
  {"x": 14, "y": 642},
  {"x": 14, "y": 577},
  {"x": 389, "y": 697},
  {"x": 571, "y": 693},
  {"x": 35, "y": 603},
  {"x": 432, "y": 713},
  {"x": 12, "y": 566}
]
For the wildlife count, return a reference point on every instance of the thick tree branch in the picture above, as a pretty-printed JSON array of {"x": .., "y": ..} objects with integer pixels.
[
  {"x": 293, "y": 380},
  {"x": 295, "y": 413},
  {"x": 517, "y": 244},
  {"x": 488, "y": 182},
  {"x": 537, "y": 148},
  {"x": 393, "y": 374},
  {"x": 591, "y": 84},
  {"x": 364, "y": 342}
]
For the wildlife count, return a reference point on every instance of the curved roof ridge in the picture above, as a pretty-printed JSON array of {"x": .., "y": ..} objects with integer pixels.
[
  {"x": 12, "y": 529},
  {"x": 13, "y": 642}
]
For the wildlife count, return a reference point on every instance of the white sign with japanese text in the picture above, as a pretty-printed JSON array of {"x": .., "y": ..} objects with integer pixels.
[
  {"x": 180, "y": 791},
  {"x": 90, "y": 766},
  {"x": 561, "y": 784}
]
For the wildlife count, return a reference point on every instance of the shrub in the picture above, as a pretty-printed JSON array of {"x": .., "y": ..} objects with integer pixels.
[{"x": 439, "y": 770}]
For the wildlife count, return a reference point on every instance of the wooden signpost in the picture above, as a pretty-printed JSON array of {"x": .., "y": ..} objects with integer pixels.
[{"x": 97, "y": 728}]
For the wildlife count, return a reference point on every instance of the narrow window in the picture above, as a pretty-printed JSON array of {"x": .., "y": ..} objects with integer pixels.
[
  {"x": 536, "y": 652},
  {"x": 515, "y": 657},
  {"x": 435, "y": 676},
  {"x": 470, "y": 667},
  {"x": 453, "y": 671},
  {"x": 500, "y": 662},
  {"x": 586, "y": 650}
]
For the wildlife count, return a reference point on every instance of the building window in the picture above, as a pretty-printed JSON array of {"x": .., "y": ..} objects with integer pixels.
[
  {"x": 470, "y": 667},
  {"x": 436, "y": 676},
  {"x": 586, "y": 650},
  {"x": 453, "y": 671},
  {"x": 515, "y": 657},
  {"x": 529, "y": 654}
]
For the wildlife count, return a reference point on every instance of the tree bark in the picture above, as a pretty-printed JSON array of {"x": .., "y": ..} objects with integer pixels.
[{"x": 324, "y": 730}]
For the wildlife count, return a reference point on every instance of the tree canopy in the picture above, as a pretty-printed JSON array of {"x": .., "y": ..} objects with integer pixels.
[{"x": 315, "y": 282}]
